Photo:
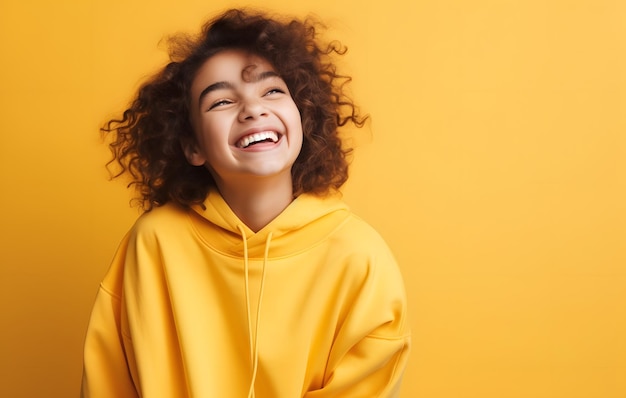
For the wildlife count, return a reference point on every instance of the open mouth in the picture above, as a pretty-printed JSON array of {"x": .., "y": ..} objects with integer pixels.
[{"x": 257, "y": 138}]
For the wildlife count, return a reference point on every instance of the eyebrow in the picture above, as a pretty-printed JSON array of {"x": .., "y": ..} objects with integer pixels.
[{"x": 228, "y": 85}]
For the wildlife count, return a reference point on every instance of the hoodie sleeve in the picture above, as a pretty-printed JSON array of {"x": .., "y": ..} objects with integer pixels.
[
  {"x": 105, "y": 369},
  {"x": 371, "y": 348}
]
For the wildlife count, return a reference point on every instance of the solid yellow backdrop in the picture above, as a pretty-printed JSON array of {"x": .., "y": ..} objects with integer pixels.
[{"x": 494, "y": 165}]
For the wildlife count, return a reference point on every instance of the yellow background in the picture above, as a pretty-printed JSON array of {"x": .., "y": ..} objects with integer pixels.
[{"x": 494, "y": 165}]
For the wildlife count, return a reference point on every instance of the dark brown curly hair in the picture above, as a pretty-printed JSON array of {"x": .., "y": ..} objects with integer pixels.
[{"x": 147, "y": 141}]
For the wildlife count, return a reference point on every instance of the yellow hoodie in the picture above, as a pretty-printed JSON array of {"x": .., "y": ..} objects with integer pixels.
[{"x": 195, "y": 304}]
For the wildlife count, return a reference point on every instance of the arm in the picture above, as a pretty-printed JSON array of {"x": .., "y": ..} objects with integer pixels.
[
  {"x": 106, "y": 370},
  {"x": 371, "y": 347}
]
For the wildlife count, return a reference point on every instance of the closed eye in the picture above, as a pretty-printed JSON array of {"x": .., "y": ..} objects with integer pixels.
[
  {"x": 221, "y": 102},
  {"x": 275, "y": 91}
]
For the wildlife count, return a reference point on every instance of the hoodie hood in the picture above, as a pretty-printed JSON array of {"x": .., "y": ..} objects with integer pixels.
[{"x": 223, "y": 232}]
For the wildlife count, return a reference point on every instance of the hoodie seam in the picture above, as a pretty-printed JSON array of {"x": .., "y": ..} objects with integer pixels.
[
  {"x": 388, "y": 338},
  {"x": 109, "y": 292}
]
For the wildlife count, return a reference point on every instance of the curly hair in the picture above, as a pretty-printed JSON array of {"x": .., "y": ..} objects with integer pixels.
[{"x": 147, "y": 141}]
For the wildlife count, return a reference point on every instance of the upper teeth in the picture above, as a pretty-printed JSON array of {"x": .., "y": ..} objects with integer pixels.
[{"x": 251, "y": 139}]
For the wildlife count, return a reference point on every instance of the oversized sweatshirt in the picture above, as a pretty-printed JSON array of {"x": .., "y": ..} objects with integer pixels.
[{"x": 195, "y": 304}]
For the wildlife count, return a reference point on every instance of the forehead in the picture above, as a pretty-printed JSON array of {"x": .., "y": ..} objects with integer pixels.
[{"x": 230, "y": 66}]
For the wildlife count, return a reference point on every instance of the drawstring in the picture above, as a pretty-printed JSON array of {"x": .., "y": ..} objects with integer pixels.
[{"x": 254, "y": 349}]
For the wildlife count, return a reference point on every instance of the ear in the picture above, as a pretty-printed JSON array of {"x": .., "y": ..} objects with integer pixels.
[{"x": 193, "y": 154}]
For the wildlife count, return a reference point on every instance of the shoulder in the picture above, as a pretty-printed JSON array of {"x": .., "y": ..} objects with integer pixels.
[
  {"x": 363, "y": 250},
  {"x": 356, "y": 232},
  {"x": 162, "y": 219},
  {"x": 159, "y": 228},
  {"x": 144, "y": 242},
  {"x": 340, "y": 223}
]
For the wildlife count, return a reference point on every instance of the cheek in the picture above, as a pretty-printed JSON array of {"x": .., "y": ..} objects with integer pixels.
[
  {"x": 296, "y": 118},
  {"x": 213, "y": 131},
  {"x": 298, "y": 141}
]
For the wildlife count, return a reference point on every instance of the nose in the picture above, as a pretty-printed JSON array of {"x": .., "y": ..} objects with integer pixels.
[{"x": 251, "y": 109}]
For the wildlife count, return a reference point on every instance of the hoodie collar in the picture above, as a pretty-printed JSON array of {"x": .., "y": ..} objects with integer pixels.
[{"x": 304, "y": 223}]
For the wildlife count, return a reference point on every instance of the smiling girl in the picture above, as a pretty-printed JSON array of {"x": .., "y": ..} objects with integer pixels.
[{"x": 246, "y": 275}]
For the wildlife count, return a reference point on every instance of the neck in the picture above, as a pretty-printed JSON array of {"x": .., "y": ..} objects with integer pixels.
[{"x": 255, "y": 202}]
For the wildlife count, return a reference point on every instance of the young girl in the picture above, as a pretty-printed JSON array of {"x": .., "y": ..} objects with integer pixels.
[{"x": 247, "y": 275}]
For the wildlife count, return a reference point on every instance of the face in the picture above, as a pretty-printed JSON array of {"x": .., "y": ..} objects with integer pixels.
[{"x": 245, "y": 121}]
